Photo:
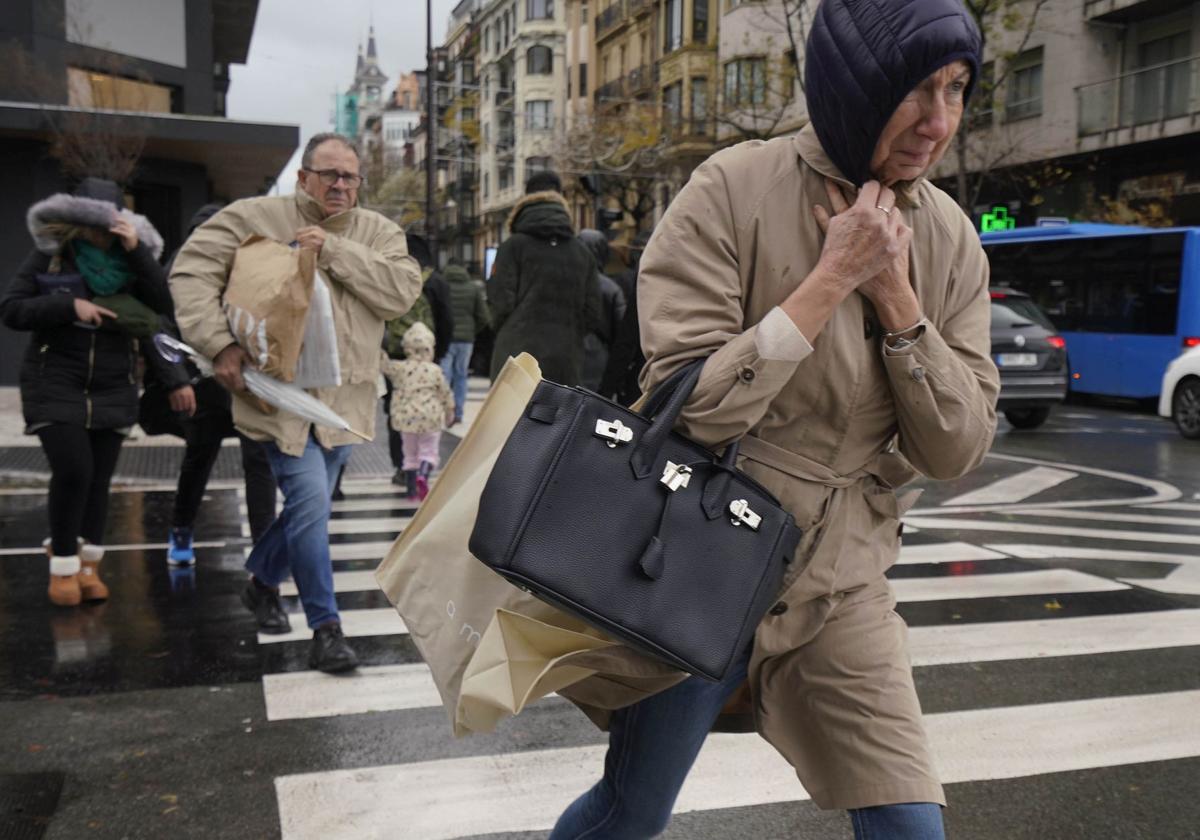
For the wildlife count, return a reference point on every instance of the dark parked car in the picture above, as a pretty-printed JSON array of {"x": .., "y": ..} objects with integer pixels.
[{"x": 1031, "y": 356}]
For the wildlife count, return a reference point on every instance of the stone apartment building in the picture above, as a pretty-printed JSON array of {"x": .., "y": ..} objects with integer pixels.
[{"x": 523, "y": 89}]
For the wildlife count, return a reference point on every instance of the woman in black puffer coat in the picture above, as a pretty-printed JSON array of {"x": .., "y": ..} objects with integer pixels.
[{"x": 78, "y": 379}]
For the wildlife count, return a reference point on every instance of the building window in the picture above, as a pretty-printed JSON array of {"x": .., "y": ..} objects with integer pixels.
[
  {"x": 673, "y": 33},
  {"x": 487, "y": 183},
  {"x": 506, "y": 178},
  {"x": 673, "y": 105},
  {"x": 87, "y": 89},
  {"x": 583, "y": 88},
  {"x": 539, "y": 9},
  {"x": 1025, "y": 87},
  {"x": 700, "y": 22},
  {"x": 1163, "y": 91},
  {"x": 541, "y": 163},
  {"x": 496, "y": 32},
  {"x": 699, "y": 103},
  {"x": 506, "y": 33},
  {"x": 539, "y": 61},
  {"x": 539, "y": 115},
  {"x": 745, "y": 82}
]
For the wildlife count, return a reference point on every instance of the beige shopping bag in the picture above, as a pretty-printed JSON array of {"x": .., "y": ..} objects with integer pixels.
[
  {"x": 266, "y": 302},
  {"x": 491, "y": 647}
]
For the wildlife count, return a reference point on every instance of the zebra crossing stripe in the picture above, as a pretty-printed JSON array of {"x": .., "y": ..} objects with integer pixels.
[
  {"x": 1183, "y": 580},
  {"x": 393, "y": 688},
  {"x": 379, "y": 622},
  {"x": 1010, "y": 585},
  {"x": 360, "y": 581},
  {"x": 310, "y": 694},
  {"x": 350, "y": 551},
  {"x": 932, "y": 523},
  {"x": 1014, "y": 488},
  {"x": 947, "y": 552},
  {"x": 1111, "y": 516},
  {"x": 526, "y": 791},
  {"x": 391, "y": 525}
]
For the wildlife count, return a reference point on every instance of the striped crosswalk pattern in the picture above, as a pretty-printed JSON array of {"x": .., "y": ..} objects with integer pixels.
[{"x": 1006, "y": 590}]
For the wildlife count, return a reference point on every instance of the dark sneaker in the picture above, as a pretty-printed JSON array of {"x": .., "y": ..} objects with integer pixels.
[
  {"x": 330, "y": 652},
  {"x": 179, "y": 547},
  {"x": 398, "y": 478},
  {"x": 267, "y": 608}
]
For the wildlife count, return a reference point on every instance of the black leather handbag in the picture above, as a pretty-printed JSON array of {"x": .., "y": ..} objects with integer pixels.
[{"x": 614, "y": 518}]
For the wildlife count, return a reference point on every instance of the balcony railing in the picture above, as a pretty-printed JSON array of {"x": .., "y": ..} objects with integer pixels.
[
  {"x": 692, "y": 129},
  {"x": 610, "y": 18},
  {"x": 641, "y": 79},
  {"x": 1149, "y": 95},
  {"x": 610, "y": 90},
  {"x": 636, "y": 7}
]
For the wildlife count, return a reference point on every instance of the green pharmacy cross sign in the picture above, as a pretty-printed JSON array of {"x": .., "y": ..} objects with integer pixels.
[{"x": 998, "y": 219}]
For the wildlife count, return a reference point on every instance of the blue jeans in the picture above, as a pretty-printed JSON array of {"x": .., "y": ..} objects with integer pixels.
[
  {"x": 454, "y": 366},
  {"x": 298, "y": 540},
  {"x": 652, "y": 746}
]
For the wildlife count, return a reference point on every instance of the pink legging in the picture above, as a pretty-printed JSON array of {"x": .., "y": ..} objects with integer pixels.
[{"x": 421, "y": 446}]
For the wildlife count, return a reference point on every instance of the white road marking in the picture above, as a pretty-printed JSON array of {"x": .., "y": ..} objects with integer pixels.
[
  {"x": 359, "y": 506},
  {"x": 351, "y": 551},
  {"x": 391, "y": 526},
  {"x": 950, "y": 524},
  {"x": 1183, "y": 580},
  {"x": 309, "y": 694},
  {"x": 1014, "y": 488},
  {"x": 361, "y": 581},
  {"x": 1192, "y": 506},
  {"x": 392, "y": 688},
  {"x": 1014, "y": 584},
  {"x": 378, "y": 622},
  {"x": 108, "y": 549},
  {"x": 1111, "y": 516},
  {"x": 526, "y": 791},
  {"x": 947, "y": 552},
  {"x": 1159, "y": 491}
]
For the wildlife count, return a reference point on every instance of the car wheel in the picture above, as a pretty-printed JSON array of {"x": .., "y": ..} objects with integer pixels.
[
  {"x": 1029, "y": 418},
  {"x": 1185, "y": 408}
]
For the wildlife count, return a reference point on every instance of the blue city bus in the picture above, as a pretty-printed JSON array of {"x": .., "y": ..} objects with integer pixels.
[{"x": 1126, "y": 299}]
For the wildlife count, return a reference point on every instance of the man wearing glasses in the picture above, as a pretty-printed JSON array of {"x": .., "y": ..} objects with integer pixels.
[{"x": 371, "y": 279}]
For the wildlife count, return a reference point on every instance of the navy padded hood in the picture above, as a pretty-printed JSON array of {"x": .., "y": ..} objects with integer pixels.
[{"x": 865, "y": 56}]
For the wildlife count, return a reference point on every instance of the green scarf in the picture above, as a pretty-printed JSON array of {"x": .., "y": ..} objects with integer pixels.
[{"x": 106, "y": 272}]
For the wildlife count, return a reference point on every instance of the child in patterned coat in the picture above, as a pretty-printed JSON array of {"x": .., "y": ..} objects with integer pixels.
[{"x": 422, "y": 405}]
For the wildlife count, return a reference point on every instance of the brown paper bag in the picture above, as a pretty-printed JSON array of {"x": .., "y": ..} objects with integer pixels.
[
  {"x": 266, "y": 302},
  {"x": 491, "y": 647}
]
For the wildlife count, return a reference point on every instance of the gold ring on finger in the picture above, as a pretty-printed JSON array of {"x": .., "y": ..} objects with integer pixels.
[{"x": 887, "y": 210}]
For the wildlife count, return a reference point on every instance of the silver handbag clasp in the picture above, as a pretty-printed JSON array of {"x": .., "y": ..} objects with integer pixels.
[
  {"x": 613, "y": 432},
  {"x": 676, "y": 476},
  {"x": 742, "y": 515}
]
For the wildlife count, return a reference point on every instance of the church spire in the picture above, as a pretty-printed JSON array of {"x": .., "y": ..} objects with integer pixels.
[{"x": 371, "y": 43}]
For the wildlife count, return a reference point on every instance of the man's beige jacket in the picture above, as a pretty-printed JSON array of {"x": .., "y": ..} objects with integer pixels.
[{"x": 372, "y": 280}]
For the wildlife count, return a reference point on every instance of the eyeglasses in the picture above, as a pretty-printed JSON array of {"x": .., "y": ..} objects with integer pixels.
[{"x": 329, "y": 177}]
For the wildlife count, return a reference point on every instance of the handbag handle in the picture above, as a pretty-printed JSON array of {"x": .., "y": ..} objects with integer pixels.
[{"x": 663, "y": 408}]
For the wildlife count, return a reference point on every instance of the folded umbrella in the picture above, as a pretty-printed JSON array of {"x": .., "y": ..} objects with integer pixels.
[{"x": 282, "y": 395}]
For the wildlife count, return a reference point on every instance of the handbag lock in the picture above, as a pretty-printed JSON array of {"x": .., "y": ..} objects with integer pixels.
[
  {"x": 613, "y": 432},
  {"x": 742, "y": 515},
  {"x": 676, "y": 476}
]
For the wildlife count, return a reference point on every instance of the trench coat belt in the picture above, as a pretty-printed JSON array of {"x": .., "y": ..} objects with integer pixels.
[{"x": 795, "y": 464}]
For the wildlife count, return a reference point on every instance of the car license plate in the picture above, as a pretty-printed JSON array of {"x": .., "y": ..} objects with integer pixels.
[{"x": 1016, "y": 359}]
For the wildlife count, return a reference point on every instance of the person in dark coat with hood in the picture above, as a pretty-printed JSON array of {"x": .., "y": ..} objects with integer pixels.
[
  {"x": 543, "y": 293},
  {"x": 612, "y": 307},
  {"x": 78, "y": 380},
  {"x": 625, "y": 359},
  {"x": 839, "y": 302},
  {"x": 205, "y": 418}
]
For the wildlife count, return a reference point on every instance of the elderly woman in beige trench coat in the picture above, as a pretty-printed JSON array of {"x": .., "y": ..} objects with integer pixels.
[{"x": 841, "y": 301}]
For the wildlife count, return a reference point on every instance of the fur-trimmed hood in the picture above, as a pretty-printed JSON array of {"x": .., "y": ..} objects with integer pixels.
[
  {"x": 542, "y": 214},
  {"x": 66, "y": 209}
]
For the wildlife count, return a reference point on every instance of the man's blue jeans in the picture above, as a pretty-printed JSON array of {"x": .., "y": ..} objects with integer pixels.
[
  {"x": 652, "y": 746},
  {"x": 298, "y": 540},
  {"x": 454, "y": 366}
]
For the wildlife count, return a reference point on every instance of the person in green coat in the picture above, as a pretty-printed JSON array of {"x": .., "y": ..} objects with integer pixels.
[
  {"x": 544, "y": 294},
  {"x": 471, "y": 317}
]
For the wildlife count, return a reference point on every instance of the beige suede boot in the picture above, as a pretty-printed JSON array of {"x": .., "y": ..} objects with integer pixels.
[
  {"x": 90, "y": 584},
  {"x": 64, "y": 588}
]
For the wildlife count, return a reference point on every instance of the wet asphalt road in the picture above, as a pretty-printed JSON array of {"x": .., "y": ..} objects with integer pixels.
[{"x": 147, "y": 715}]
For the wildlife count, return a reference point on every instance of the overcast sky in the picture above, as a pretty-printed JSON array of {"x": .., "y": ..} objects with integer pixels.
[{"x": 304, "y": 51}]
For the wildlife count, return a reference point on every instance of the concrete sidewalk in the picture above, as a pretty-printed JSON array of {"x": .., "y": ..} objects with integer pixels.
[{"x": 156, "y": 459}]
